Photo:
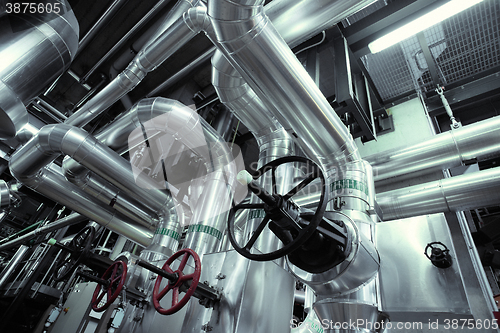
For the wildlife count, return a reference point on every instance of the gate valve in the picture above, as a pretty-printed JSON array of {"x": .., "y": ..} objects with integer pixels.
[
  {"x": 178, "y": 282},
  {"x": 110, "y": 285},
  {"x": 73, "y": 254},
  {"x": 439, "y": 254},
  {"x": 283, "y": 217}
]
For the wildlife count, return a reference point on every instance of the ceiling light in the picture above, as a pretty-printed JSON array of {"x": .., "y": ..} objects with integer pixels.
[{"x": 420, "y": 24}]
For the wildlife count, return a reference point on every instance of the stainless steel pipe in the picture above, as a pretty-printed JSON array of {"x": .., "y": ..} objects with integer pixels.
[
  {"x": 472, "y": 143},
  {"x": 35, "y": 50},
  {"x": 469, "y": 191}
]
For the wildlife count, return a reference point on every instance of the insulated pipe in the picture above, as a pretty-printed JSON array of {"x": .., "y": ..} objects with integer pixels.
[
  {"x": 153, "y": 55},
  {"x": 71, "y": 219},
  {"x": 35, "y": 50},
  {"x": 167, "y": 123},
  {"x": 469, "y": 144},
  {"x": 52, "y": 184},
  {"x": 469, "y": 191},
  {"x": 154, "y": 11},
  {"x": 249, "y": 41},
  {"x": 112, "y": 196},
  {"x": 54, "y": 140}
]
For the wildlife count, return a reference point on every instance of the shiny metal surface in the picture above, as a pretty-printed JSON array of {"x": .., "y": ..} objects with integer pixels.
[
  {"x": 12, "y": 265},
  {"x": 181, "y": 31},
  {"x": 469, "y": 191},
  {"x": 249, "y": 40},
  {"x": 343, "y": 316},
  {"x": 314, "y": 16},
  {"x": 154, "y": 11},
  {"x": 416, "y": 290},
  {"x": 168, "y": 123},
  {"x": 478, "y": 141},
  {"x": 249, "y": 302},
  {"x": 111, "y": 195},
  {"x": 357, "y": 270},
  {"x": 28, "y": 165},
  {"x": 35, "y": 50},
  {"x": 71, "y": 219},
  {"x": 4, "y": 194},
  {"x": 272, "y": 145}
]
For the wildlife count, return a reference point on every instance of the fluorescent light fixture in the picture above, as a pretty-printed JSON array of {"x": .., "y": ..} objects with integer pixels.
[{"x": 420, "y": 24}]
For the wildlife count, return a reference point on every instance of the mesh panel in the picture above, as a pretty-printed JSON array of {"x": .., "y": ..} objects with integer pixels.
[{"x": 462, "y": 46}]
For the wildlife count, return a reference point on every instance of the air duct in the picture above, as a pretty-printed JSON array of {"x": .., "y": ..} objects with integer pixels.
[
  {"x": 463, "y": 146},
  {"x": 35, "y": 50},
  {"x": 469, "y": 191}
]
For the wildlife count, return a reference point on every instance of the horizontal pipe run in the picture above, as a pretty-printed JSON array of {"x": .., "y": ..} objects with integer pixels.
[
  {"x": 469, "y": 144},
  {"x": 465, "y": 192}
]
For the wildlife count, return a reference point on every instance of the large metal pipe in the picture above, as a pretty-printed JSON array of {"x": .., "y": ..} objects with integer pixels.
[
  {"x": 472, "y": 143},
  {"x": 52, "y": 184},
  {"x": 168, "y": 123},
  {"x": 249, "y": 40},
  {"x": 469, "y": 191},
  {"x": 153, "y": 55},
  {"x": 35, "y": 50}
]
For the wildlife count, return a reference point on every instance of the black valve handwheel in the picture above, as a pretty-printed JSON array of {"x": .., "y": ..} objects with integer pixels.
[
  {"x": 74, "y": 253},
  {"x": 114, "y": 278},
  {"x": 302, "y": 231}
]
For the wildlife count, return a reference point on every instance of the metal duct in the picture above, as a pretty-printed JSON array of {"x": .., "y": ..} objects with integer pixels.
[
  {"x": 112, "y": 196},
  {"x": 249, "y": 41},
  {"x": 53, "y": 185},
  {"x": 53, "y": 140},
  {"x": 35, "y": 50},
  {"x": 4, "y": 194},
  {"x": 469, "y": 144},
  {"x": 469, "y": 191},
  {"x": 180, "y": 32},
  {"x": 167, "y": 123}
]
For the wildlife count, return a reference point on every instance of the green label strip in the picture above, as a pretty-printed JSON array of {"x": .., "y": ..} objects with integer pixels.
[
  {"x": 349, "y": 184},
  {"x": 205, "y": 229},
  {"x": 256, "y": 213},
  {"x": 167, "y": 232}
]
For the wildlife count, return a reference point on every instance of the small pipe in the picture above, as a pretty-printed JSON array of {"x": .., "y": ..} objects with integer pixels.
[
  {"x": 157, "y": 8},
  {"x": 101, "y": 23}
]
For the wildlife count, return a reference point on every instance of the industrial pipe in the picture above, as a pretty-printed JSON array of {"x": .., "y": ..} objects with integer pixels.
[
  {"x": 13, "y": 240},
  {"x": 466, "y": 145},
  {"x": 465, "y": 192},
  {"x": 153, "y": 55},
  {"x": 40, "y": 50}
]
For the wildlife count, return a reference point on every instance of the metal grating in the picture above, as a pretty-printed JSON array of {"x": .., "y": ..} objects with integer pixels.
[
  {"x": 364, "y": 12},
  {"x": 462, "y": 46}
]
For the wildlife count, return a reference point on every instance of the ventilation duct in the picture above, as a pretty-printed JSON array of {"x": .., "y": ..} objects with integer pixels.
[{"x": 35, "y": 50}]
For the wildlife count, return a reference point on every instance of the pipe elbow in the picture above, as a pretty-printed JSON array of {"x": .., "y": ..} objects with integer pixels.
[{"x": 197, "y": 20}]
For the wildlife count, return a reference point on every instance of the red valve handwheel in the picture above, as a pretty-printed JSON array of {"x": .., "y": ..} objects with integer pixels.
[
  {"x": 115, "y": 275},
  {"x": 195, "y": 277}
]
